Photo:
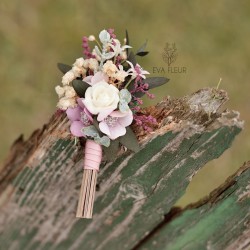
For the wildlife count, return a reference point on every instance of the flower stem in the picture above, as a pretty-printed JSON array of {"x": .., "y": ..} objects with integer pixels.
[{"x": 126, "y": 86}]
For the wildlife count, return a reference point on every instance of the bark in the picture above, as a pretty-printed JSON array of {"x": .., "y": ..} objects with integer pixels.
[{"x": 40, "y": 180}]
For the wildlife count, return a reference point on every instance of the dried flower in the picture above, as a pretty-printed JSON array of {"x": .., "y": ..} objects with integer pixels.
[
  {"x": 79, "y": 62},
  {"x": 60, "y": 91},
  {"x": 68, "y": 78},
  {"x": 65, "y": 103},
  {"x": 93, "y": 64},
  {"x": 109, "y": 68},
  {"x": 91, "y": 38}
]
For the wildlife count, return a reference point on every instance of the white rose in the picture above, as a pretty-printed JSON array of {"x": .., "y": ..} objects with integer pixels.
[
  {"x": 101, "y": 97},
  {"x": 68, "y": 77}
]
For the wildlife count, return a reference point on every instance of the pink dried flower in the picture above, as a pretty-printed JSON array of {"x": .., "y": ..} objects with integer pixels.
[
  {"x": 86, "y": 48},
  {"x": 111, "y": 32},
  {"x": 146, "y": 122}
]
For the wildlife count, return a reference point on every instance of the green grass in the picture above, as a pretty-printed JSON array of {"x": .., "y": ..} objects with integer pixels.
[{"x": 212, "y": 40}]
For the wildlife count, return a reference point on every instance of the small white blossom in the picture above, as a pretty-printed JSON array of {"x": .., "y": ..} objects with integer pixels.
[
  {"x": 78, "y": 71},
  {"x": 60, "y": 91},
  {"x": 79, "y": 62},
  {"x": 136, "y": 70},
  {"x": 93, "y": 64},
  {"x": 98, "y": 57},
  {"x": 121, "y": 75},
  {"x": 109, "y": 68},
  {"x": 117, "y": 48},
  {"x": 68, "y": 78},
  {"x": 69, "y": 91},
  {"x": 124, "y": 55},
  {"x": 91, "y": 38},
  {"x": 65, "y": 103}
]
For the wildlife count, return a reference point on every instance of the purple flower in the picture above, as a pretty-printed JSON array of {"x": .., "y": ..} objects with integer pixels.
[
  {"x": 79, "y": 117},
  {"x": 114, "y": 125}
]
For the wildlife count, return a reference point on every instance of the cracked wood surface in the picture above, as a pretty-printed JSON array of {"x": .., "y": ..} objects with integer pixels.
[
  {"x": 40, "y": 180},
  {"x": 220, "y": 221}
]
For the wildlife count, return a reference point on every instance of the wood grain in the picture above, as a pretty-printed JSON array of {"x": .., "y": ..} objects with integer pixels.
[{"x": 40, "y": 180}]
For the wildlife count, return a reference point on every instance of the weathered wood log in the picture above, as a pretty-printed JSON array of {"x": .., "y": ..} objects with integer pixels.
[
  {"x": 40, "y": 180},
  {"x": 219, "y": 221}
]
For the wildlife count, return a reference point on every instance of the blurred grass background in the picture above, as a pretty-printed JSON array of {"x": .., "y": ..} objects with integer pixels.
[{"x": 212, "y": 39}]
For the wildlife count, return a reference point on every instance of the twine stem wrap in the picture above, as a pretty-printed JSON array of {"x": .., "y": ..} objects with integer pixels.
[{"x": 92, "y": 161}]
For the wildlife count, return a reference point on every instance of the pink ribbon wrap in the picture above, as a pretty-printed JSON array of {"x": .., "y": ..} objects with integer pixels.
[{"x": 93, "y": 155}]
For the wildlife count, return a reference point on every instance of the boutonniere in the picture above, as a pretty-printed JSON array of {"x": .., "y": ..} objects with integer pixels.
[{"x": 101, "y": 95}]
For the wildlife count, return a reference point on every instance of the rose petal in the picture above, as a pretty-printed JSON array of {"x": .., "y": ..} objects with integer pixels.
[
  {"x": 74, "y": 114},
  {"x": 104, "y": 128},
  {"x": 126, "y": 120},
  {"x": 75, "y": 128},
  {"x": 117, "y": 131}
]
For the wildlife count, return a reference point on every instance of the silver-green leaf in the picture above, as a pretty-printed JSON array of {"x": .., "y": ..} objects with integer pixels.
[
  {"x": 105, "y": 141},
  {"x": 125, "y": 95},
  {"x": 90, "y": 131}
]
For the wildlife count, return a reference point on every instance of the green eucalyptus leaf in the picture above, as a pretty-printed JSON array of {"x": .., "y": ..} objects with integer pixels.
[
  {"x": 131, "y": 85},
  {"x": 129, "y": 140},
  {"x": 127, "y": 41},
  {"x": 104, "y": 141},
  {"x": 111, "y": 151},
  {"x": 131, "y": 58},
  {"x": 90, "y": 131},
  {"x": 125, "y": 95},
  {"x": 142, "y": 53},
  {"x": 123, "y": 106},
  {"x": 64, "y": 68},
  {"x": 152, "y": 82},
  {"x": 104, "y": 36},
  {"x": 142, "y": 48},
  {"x": 80, "y": 87}
]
